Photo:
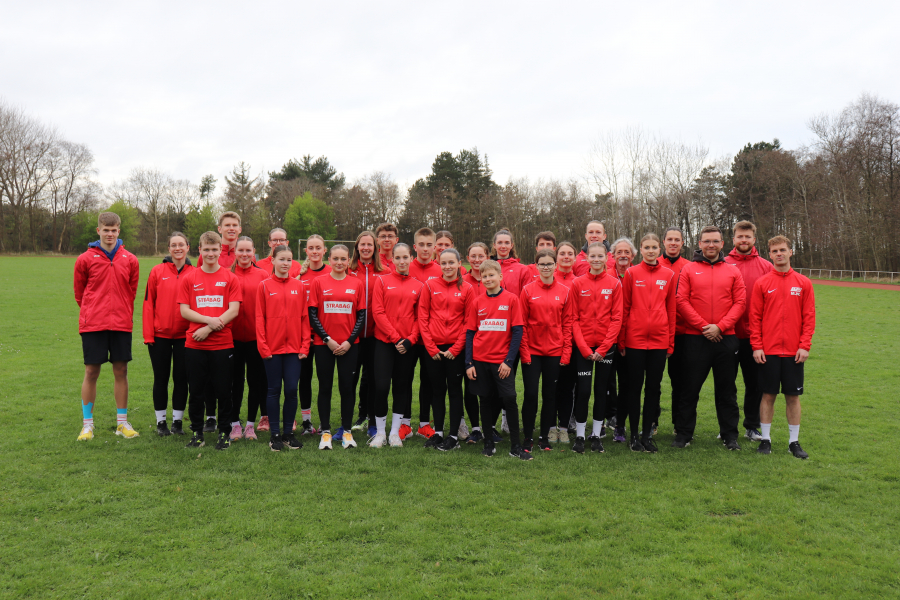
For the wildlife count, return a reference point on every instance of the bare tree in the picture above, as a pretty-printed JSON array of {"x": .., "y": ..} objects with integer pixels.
[{"x": 385, "y": 201}]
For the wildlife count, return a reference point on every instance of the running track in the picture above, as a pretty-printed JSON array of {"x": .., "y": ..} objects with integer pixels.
[{"x": 853, "y": 284}]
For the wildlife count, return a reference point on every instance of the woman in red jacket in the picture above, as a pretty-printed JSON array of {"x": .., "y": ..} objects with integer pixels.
[
  {"x": 515, "y": 274},
  {"x": 647, "y": 336},
  {"x": 477, "y": 254},
  {"x": 164, "y": 333},
  {"x": 566, "y": 254},
  {"x": 282, "y": 337},
  {"x": 396, "y": 332},
  {"x": 565, "y": 263},
  {"x": 442, "y": 323}
]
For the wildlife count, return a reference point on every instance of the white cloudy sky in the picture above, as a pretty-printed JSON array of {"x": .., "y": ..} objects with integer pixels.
[{"x": 195, "y": 87}]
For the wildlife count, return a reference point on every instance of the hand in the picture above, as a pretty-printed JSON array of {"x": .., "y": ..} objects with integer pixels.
[
  {"x": 201, "y": 334},
  {"x": 400, "y": 347},
  {"x": 595, "y": 356},
  {"x": 449, "y": 355},
  {"x": 470, "y": 373},
  {"x": 148, "y": 344},
  {"x": 801, "y": 356},
  {"x": 622, "y": 350},
  {"x": 267, "y": 357},
  {"x": 301, "y": 356},
  {"x": 759, "y": 356},
  {"x": 342, "y": 349},
  {"x": 437, "y": 356},
  {"x": 332, "y": 345},
  {"x": 563, "y": 364},
  {"x": 526, "y": 363},
  {"x": 215, "y": 323},
  {"x": 504, "y": 371},
  {"x": 712, "y": 333}
]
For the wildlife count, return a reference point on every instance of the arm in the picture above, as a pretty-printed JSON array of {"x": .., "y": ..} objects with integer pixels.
[
  {"x": 81, "y": 278},
  {"x": 470, "y": 338},
  {"x": 683, "y": 302},
  {"x": 754, "y": 321},
  {"x": 579, "y": 339},
  {"x": 739, "y": 303},
  {"x": 567, "y": 324},
  {"x": 261, "y": 341},
  {"x": 459, "y": 346},
  {"x": 234, "y": 308},
  {"x": 382, "y": 321},
  {"x": 626, "y": 309},
  {"x": 135, "y": 276},
  {"x": 514, "y": 345},
  {"x": 357, "y": 327},
  {"x": 148, "y": 311},
  {"x": 414, "y": 334},
  {"x": 670, "y": 309},
  {"x": 423, "y": 313},
  {"x": 524, "y": 349},
  {"x": 316, "y": 324},
  {"x": 808, "y": 315}
]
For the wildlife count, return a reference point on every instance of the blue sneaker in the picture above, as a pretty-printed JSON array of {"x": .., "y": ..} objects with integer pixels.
[
  {"x": 475, "y": 437},
  {"x": 373, "y": 431},
  {"x": 337, "y": 435},
  {"x": 497, "y": 436}
]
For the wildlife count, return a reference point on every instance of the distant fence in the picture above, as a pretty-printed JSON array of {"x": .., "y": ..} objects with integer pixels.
[{"x": 849, "y": 275}]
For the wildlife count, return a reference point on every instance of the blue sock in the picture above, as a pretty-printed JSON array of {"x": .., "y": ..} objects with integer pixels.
[
  {"x": 87, "y": 413},
  {"x": 121, "y": 415}
]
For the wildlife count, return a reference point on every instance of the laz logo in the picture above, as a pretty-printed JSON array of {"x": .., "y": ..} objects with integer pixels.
[
  {"x": 660, "y": 282},
  {"x": 492, "y": 325},
  {"x": 795, "y": 291},
  {"x": 221, "y": 283},
  {"x": 503, "y": 307}
]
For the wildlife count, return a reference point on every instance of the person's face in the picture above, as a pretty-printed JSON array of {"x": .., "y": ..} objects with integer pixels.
[
  {"x": 278, "y": 239},
  {"x": 491, "y": 279},
  {"x": 565, "y": 257},
  {"x": 230, "y": 229},
  {"x": 503, "y": 245},
  {"x": 424, "y": 248},
  {"x": 315, "y": 250},
  {"x": 594, "y": 233},
  {"x": 402, "y": 259},
  {"x": 210, "y": 253},
  {"x": 244, "y": 253},
  {"x": 476, "y": 257},
  {"x": 108, "y": 234},
  {"x": 711, "y": 244},
  {"x": 673, "y": 243},
  {"x": 449, "y": 266},
  {"x": 545, "y": 245},
  {"x": 339, "y": 260},
  {"x": 545, "y": 266},
  {"x": 650, "y": 251},
  {"x": 744, "y": 240},
  {"x": 178, "y": 248},
  {"x": 282, "y": 263},
  {"x": 597, "y": 259},
  {"x": 366, "y": 247},
  {"x": 624, "y": 256},
  {"x": 386, "y": 241},
  {"x": 441, "y": 245},
  {"x": 780, "y": 255}
]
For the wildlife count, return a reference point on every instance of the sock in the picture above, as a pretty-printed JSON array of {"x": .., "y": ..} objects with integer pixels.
[
  {"x": 764, "y": 429},
  {"x": 440, "y": 433},
  {"x": 208, "y": 417},
  {"x": 396, "y": 420},
  {"x": 380, "y": 423},
  {"x": 249, "y": 424},
  {"x": 504, "y": 414},
  {"x": 160, "y": 415},
  {"x": 178, "y": 415},
  {"x": 404, "y": 421},
  {"x": 422, "y": 424},
  {"x": 579, "y": 429},
  {"x": 476, "y": 428},
  {"x": 307, "y": 415},
  {"x": 87, "y": 413},
  {"x": 236, "y": 424},
  {"x": 794, "y": 431},
  {"x": 452, "y": 437},
  {"x": 598, "y": 425},
  {"x": 462, "y": 421},
  {"x": 121, "y": 415}
]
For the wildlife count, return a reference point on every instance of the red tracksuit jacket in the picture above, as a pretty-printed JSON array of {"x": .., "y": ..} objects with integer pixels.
[
  {"x": 752, "y": 266},
  {"x": 105, "y": 288},
  {"x": 648, "y": 308},
  {"x": 367, "y": 276},
  {"x": 243, "y": 328},
  {"x": 282, "y": 321},
  {"x": 395, "y": 306},
  {"x": 583, "y": 267},
  {"x": 492, "y": 319},
  {"x": 266, "y": 265},
  {"x": 782, "y": 313},
  {"x": 227, "y": 256},
  {"x": 423, "y": 273},
  {"x": 310, "y": 276},
  {"x": 598, "y": 312},
  {"x": 442, "y": 315},
  {"x": 161, "y": 313},
  {"x": 548, "y": 313},
  {"x": 387, "y": 261},
  {"x": 676, "y": 266},
  {"x": 710, "y": 293},
  {"x": 475, "y": 283},
  {"x": 515, "y": 275},
  {"x": 337, "y": 302}
]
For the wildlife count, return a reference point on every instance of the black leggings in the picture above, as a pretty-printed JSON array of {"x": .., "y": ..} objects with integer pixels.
[
  {"x": 584, "y": 368},
  {"x": 548, "y": 369},
  {"x": 471, "y": 402},
  {"x": 346, "y": 368},
  {"x": 209, "y": 378},
  {"x": 286, "y": 368},
  {"x": 246, "y": 353},
  {"x": 565, "y": 394},
  {"x": 306, "y": 375},
  {"x": 638, "y": 364},
  {"x": 425, "y": 387},
  {"x": 365, "y": 378},
  {"x": 490, "y": 409},
  {"x": 616, "y": 399},
  {"x": 391, "y": 367},
  {"x": 675, "y": 367},
  {"x": 446, "y": 380},
  {"x": 167, "y": 355}
]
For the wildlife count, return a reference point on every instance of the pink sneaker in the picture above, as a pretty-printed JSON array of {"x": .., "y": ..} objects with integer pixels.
[
  {"x": 249, "y": 432},
  {"x": 236, "y": 432},
  {"x": 263, "y": 424}
]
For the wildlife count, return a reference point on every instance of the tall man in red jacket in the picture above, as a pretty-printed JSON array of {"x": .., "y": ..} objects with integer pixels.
[
  {"x": 711, "y": 298},
  {"x": 752, "y": 266},
  {"x": 229, "y": 229},
  {"x": 782, "y": 322},
  {"x": 673, "y": 244},
  {"x": 106, "y": 279}
]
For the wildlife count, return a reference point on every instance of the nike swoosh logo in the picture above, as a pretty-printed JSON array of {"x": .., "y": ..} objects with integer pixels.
[
  {"x": 196, "y": 285},
  {"x": 535, "y": 297},
  {"x": 642, "y": 281},
  {"x": 435, "y": 293},
  {"x": 392, "y": 288},
  {"x": 326, "y": 291},
  {"x": 164, "y": 278},
  {"x": 770, "y": 291},
  {"x": 272, "y": 293}
]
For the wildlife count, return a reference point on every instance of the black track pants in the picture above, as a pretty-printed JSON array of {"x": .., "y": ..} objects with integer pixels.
[
  {"x": 167, "y": 356},
  {"x": 396, "y": 370},
  {"x": 209, "y": 377},
  {"x": 701, "y": 356},
  {"x": 546, "y": 368},
  {"x": 346, "y": 370},
  {"x": 585, "y": 371},
  {"x": 644, "y": 369},
  {"x": 446, "y": 381}
]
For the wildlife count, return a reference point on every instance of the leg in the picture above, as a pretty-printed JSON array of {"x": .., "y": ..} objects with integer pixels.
[
  {"x": 512, "y": 419},
  {"x": 471, "y": 402},
  {"x": 425, "y": 387},
  {"x": 367, "y": 383},
  {"x": 604, "y": 373},
  {"x": 635, "y": 364},
  {"x": 384, "y": 366},
  {"x": 179, "y": 380},
  {"x": 290, "y": 368},
  {"x": 437, "y": 375},
  {"x": 347, "y": 366},
  {"x": 325, "y": 372},
  {"x": 565, "y": 394},
  {"x": 161, "y": 351},
  {"x": 750, "y": 375},
  {"x": 584, "y": 369},
  {"x": 305, "y": 387},
  {"x": 531, "y": 378},
  {"x": 792, "y": 410},
  {"x": 197, "y": 372},
  {"x": 223, "y": 363},
  {"x": 455, "y": 371},
  {"x": 676, "y": 377},
  {"x": 550, "y": 372},
  {"x": 120, "y": 372},
  {"x": 655, "y": 366},
  {"x": 723, "y": 365},
  {"x": 239, "y": 360},
  {"x": 694, "y": 372},
  {"x": 89, "y": 385},
  {"x": 274, "y": 375}
]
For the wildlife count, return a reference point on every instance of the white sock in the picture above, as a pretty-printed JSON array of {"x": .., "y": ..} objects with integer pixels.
[
  {"x": 403, "y": 421},
  {"x": 504, "y": 414},
  {"x": 396, "y": 420},
  {"x": 764, "y": 429},
  {"x": 598, "y": 425},
  {"x": 794, "y": 431},
  {"x": 236, "y": 424},
  {"x": 160, "y": 415},
  {"x": 249, "y": 424},
  {"x": 178, "y": 415},
  {"x": 380, "y": 423},
  {"x": 423, "y": 423},
  {"x": 307, "y": 415},
  {"x": 462, "y": 421},
  {"x": 476, "y": 428},
  {"x": 440, "y": 433},
  {"x": 579, "y": 429}
]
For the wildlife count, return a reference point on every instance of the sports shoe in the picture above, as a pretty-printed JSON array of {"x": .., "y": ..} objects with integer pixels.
[
  {"x": 276, "y": 444},
  {"x": 339, "y": 434},
  {"x": 237, "y": 432},
  {"x": 405, "y": 431},
  {"x": 553, "y": 435},
  {"x": 797, "y": 451},
  {"x": 612, "y": 423},
  {"x": 450, "y": 443},
  {"x": 126, "y": 430},
  {"x": 602, "y": 431},
  {"x": 426, "y": 431},
  {"x": 544, "y": 445},
  {"x": 308, "y": 429},
  {"x": 325, "y": 442},
  {"x": 87, "y": 433},
  {"x": 291, "y": 442},
  {"x": 463, "y": 431},
  {"x": 636, "y": 445},
  {"x": 347, "y": 440},
  {"x": 649, "y": 445},
  {"x": 517, "y": 452},
  {"x": 475, "y": 437},
  {"x": 360, "y": 424},
  {"x": 434, "y": 441},
  {"x": 177, "y": 427},
  {"x": 250, "y": 432},
  {"x": 596, "y": 444},
  {"x": 731, "y": 445},
  {"x": 497, "y": 436},
  {"x": 373, "y": 431},
  {"x": 378, "y": 440},
  {"x": 210, "y": 425},
  {"x": 197, "y": 440},
  {"x": 765, "y": 447},
  {"x": 753, "y": 435},
  {"x": 396, "y": 441},
  {"x": 224, "y": 442},
  {"x": 681, "y": 441},
  {"x": 528, "y": 444},
  {"x": 620, "y": 435},
  {"x": 263, "y": 424},
  {"x": 578, "y": 446},
  {"x": 504, "y": 425},
  {"x": 563, "y": 436},
  {"x": 162, "y": 429},
  {"x": 489, "y": 448}
]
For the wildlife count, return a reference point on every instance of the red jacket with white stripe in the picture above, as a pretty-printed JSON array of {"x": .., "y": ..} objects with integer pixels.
[
  {"x": 598, "y": 312},
  {"x": 583, "y": 267},
  {"x": 710, "y": 293},
  {"x": 782, "y": 313},
  {"x": 676, "y": 266},
  {"x": 752, "y": 266},
  {"x": 387, "y": 262},
  {"x": 515, "y": 275},
  {"x": 548, "y": 313},
  {"x": 367, "y": 275},
  {"x": 648, "y": 308},
  {"x": 105, "y": 288},
  {"x": 161, "y": 313},
  {"x": 243, "y": 328},
  {"x": 396, "y": 308},
  {"x": 282, "y": 321},
  {"x": 442, "y": 315},
  {"x": 475, "y": 283},
  {"x": 430, "y": 270}
]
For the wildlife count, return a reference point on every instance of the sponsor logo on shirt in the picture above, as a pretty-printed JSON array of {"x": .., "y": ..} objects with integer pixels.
[
  {"x": 492, "y": 325},
  {"x": 661, "y": 282},
  {"x": 588, "y": 292},
  {"x": 606, "y": 291},
  {"x": 164, "y": 278},
  {"x": 344, "y": 308},
  {"x": 482, "y": 311},
  {"x": 795, "y": 291},
  {"x": 503, "y": 307},
  {"x": 351, "y": 291},
  {"x": 272, "y": 293},
  {"x": 208, "y": 301},
  {"x": 392, "y": 287}
]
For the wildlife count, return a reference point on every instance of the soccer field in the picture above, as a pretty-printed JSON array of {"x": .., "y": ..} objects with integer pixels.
[{"x": 149, "y": 518}]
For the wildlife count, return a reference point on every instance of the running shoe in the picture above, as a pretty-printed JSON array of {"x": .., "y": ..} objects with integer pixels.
[
  {"x": 448, "y": 444},
  {"x": 378, "y": 440},
  {"x": 475, "y": 437},
  {"x": 797, "y": 451},
  {"x": 373, "y": 431},
  {"x": 434, "y": 441},
  {"x": 177, "y": 427},
  {"x": 210, "y": 425},
  {"x": 396, "y": 441},
  {"x": 654, "y": 429},
  {"x": 596, "y": 444},
  {"x": 276, "y": 444},
  {"x": 765, "y": 447},
  {"x": 308, "y": 429},
  {"x": 197, "y": 440},
  {"x": 489, "y": 448},
  {"x": 636, "y": 445},
  {"x": 517, "y": 452},
  {"x": 612, "y": 423},
  {"x": 602, "y": 431},
  {"x": 528, "y": 444},
  {"x": 224, "y": 442},
  {"x": 162, "y": 429},
  {"x": 553, "y": 434},
  {"x": 325, "y": 442},
  {"x": 497, "y": 436},
  {"x": 426, "y": 431},
  {"x": 250, "y": 432},
  {"x": 339, "y": 434},
  {"x": 263, "y": 424},
  {"x": 126, "y": 430},
  {"x": 360, "y": 424},
  {"x": 753, "y": 435},
  {"x": 649, "y": 445},
  {"x": 291, "y": 442},
  {"x": 563, "y": 436},
  {"x": 578, "y": 446},
  {"x": 681, "y": 441},
  {"x": 87, "y": 433},
  {"x": 504, "y": 425},
  {"x": 463, "y": 431},
  {"x": 236, "y": 432},
  {"x": 544, "y": 445},
  {"x": 347, "y": 440},
  {"x": 620, "y": 435},
  {"x": 731, "y": 445},
  {"x": 405, "y": 431}
]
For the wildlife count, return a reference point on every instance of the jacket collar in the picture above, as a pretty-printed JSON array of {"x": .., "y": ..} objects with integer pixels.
[
  {"x": 754, "y": 253},
  {"x": 100, "y": 247},
  {"x": 698, "y": 257},
  {"x": 671, "y": 260}
]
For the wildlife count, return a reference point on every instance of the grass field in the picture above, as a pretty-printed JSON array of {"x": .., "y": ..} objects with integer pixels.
[{"x": 147, "y": 518}]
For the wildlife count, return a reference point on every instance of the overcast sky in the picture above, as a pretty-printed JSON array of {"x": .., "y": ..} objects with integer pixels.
[{"x": 195, "y": 87}]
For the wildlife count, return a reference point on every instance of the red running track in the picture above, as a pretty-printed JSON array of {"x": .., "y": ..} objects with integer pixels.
[{"x": 853, "y": 284}]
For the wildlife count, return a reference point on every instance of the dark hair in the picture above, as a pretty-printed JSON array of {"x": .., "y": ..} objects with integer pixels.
[
  {"x": 387, "y": 227},
  {"x": 543, "y": 253},
  {"x": 710, "y": 229},
  {"x": 376, "y": 255},
  {"x": 512, "y": 250},
  {"x": 545, "y": 235},
  {"x": 443, "y": 233},
  {"x": 459, "y": 275},
  {"x": 745, "y": 226},
  {"x": 275, "y": 251},
  {"x": 678, "y": 229},
  {"x": 178, "y": 234}
]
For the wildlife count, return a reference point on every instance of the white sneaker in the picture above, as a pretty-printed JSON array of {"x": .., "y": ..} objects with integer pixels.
[
  {"x": 753, "y": 434},
  {"x": 348, "y": 441},
  {"x": 463, "y": 433},
  {"x": 563, "y": 435},
  {"x": 553, "y": 435},
  {"x": 396, "y": 442},
  {"x": 325, "y": 442},
  {"x": 378, "y": 441},
  {"x": 504, "y": 426}
]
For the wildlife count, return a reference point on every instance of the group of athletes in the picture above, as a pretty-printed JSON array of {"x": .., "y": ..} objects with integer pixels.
[{"x": 582, "y": 322}]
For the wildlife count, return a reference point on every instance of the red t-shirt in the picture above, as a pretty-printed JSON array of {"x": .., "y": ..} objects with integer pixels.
[
  {"x": 337, "y": 302},
  {"x": 310, "y": 275},
  {"x": 209, "y": 294},
  {"x": 492, "y": 319}
]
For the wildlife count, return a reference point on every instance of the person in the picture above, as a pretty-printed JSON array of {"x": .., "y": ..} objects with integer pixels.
[
  {"x": 387, "y": 235},
  {"x": 164, "y": 330},
  {"x": 494, "y": 334},
  {"x": 595, "y": 233},
  {"x": 673, "y": 243},
  {"x": 443, "y": 240},
  {"x": 647, "y": 337},
  {"x": 278, "y": 237},
  {"x": 476, "y": 255},
  {"x": 711, "y": 298},
  {"x": 210, "y": 298},
  {"x": 565, "y": 263},
  {"x": 246, "y": 353},
  {"x": 229, "y": 230},
  {"x": 597, "y": 298},
  {"x": 545, "y": 240},
  {"x": 515, "y": 274},
  {"x": 337, "y": 315},
  {"x": 565, "y": 386},
  {"x": 365, "y": 265},
  {"x": 624, "y": 252},
  {"x": 547, "y": 312},
  {"x": 105, "y": 282},
  {"x": 312, "y": 268},
  {"x": 283, "y": 339},
  {"x": 396, "y": 332},
  {"x": 442, "y": 325},
  {"x": 424, "y": 268},
  {"x": 752, "y": 266},
  {"x": 782, "y": 322}
]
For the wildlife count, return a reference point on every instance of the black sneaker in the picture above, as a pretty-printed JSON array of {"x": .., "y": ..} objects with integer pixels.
[
  {"x": 162, "y": 429},
  {"x": 177, "y": 428},
  {"x": 681, "y": 441},
  {"x": 731, "y": 445},
  {"x": 307, "y": 428},
  {"x": 753, "y": 435},
  {"x": 434, "y": 441},
  {"x": 636, "y": 445},
  {"x": 528, "y": 445},
  {"x": 602, "y": 432},
  {"x": 649, "y": 445},
  {"x": 489, "y": 448},
  {"x": 544, "y": 444},
  {"x": 291, "y": 442},
  {"x": 596, "y": 444},
  {"x": 276, "y": 444},
  {"x": 197, "y": 441},
  {"x": 518, "y": 452},
  {"x": 224, "y": 442},
  {"x": 612, "y": 423},
  {"x": 497, "y": 436},
  {"x": 578, "y": 446},
  {"x": 210, "y": 425},
  {"x": 451, "y": 443},
  {"x": 797, "y": 451},
  {"x": 475, "y": 437},
  {"x": 765, "y": 447}
]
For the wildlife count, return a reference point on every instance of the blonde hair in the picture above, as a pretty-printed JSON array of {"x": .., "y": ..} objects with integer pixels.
[
  {"x": 229, "y": 214},
  {"x": 780, "y": 239},
  {"x": 490, "y": 265},
  {"x": 304, "y": 266},
  {"x": 649, "y": 236},
  {"x": 210, "y": 237}
]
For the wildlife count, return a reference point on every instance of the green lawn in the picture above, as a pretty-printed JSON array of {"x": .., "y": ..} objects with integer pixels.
[{"x": 148, "y": 518}]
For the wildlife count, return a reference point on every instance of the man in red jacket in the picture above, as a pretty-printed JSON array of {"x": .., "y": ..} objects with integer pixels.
[
  {"x": 229, "y": 229},
  {"x": 711, "y": 298},
  {"x": 106, "y": 279},
  {"x": 673, "y": 244},
  {"x": 424, "y": 268},
  {"x": 387, "y": 237},
  {"x": 782, "y": 322},
  {"x": 752, "y": 266}
]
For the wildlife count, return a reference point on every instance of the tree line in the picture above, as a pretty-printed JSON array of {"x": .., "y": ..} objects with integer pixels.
[{"x": 838, "y": 197}]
